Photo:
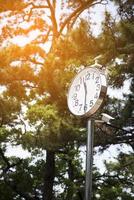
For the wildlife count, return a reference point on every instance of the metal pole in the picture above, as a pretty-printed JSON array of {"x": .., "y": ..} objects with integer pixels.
[{"x": 89, "y": 160}]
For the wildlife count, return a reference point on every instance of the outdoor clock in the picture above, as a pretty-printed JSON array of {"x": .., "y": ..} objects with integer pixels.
[{"x": 87, "y": 92}]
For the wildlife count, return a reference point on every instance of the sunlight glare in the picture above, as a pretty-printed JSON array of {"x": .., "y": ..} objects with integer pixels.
[{"x": 21, "y": 40}]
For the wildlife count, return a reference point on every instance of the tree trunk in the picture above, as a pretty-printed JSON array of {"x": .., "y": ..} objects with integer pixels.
[
  {"x": 70, "y": 190},
  {"x": 49, "y": 176}
]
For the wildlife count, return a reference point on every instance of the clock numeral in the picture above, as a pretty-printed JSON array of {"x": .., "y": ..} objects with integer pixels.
[
  {"x": 85, "y": 107},
  {"x": 87, "y": 77},
  {"x": 93, "y": 76},
  {"x": 97, "y": 79},
  {"x": 97, "y": 87},
  {"x": 76, "y": 102},
  {"x": 91, "y": 103},
  {"x": 81, "y": 80},
  {"x": 77, "y": 87},
  {"x": 96, "y": 96},
  {"x": 74, "y": 96},
  {"x": 80, "y": 107}
]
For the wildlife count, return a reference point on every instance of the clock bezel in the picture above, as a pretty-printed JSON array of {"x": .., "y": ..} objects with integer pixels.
[{"x": 103, "y": 91}]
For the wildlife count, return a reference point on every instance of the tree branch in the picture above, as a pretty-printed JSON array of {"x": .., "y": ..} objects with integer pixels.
[
  {"x": 5, "y": 159},
  {"x": 122, "y": 180},
  {"x": 53, "y": 18},
  {"x": 35, "y": 7},
  {"x": 77, "y": 12},
  {"x": 44, "y": 39},
  {"x": 127, "y": 50},
  {"x": 39, "y": 6},
  {"x": 25, "y": 195}
]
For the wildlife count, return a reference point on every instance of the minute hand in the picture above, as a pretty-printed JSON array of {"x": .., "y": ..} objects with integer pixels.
[{"x": 85, "y": 87}]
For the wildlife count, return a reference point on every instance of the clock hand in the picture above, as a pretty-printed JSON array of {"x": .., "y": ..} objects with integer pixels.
[{"x": 85, "y": 87}]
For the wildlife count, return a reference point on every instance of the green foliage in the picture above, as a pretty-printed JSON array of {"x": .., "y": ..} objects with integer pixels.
[
  {"x": 121, "y": 41},
  {"x": 3, "y": 134},
  {"x": 12, "y": 5},
  {"x": 51, "y": 129},
  {"x": 79, "y": 45},
  {"x": 9, "y": 108},
  {"x": 117, "y": 182},
  {"x": 46, "y": 121},
  {"x": 70, "y": 163}
]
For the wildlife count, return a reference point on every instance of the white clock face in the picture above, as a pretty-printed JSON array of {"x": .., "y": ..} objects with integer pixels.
[{"x": 84, "y": 92}]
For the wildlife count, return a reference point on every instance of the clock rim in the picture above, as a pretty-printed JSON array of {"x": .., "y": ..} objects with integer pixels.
[{"x": 103, "y": 91}]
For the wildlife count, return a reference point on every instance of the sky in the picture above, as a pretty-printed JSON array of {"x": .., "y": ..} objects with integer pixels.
[
  {"x": 109, "y": 155},
  {"x": 119, "y": 93},
  {"x": 97, "y": 15}
]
